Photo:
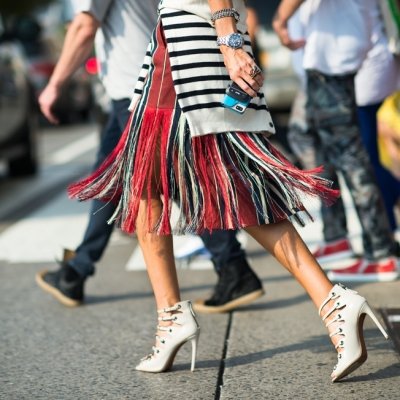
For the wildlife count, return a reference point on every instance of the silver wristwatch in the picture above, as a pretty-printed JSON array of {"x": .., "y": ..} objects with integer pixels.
[{"x": 233, "y": 40}]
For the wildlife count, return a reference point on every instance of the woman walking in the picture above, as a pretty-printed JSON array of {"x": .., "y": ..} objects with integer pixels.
[{"x": 181, "y": 144}]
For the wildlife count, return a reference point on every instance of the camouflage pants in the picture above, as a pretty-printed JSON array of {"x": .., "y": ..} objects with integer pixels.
[{"x": 332, "y": 123}]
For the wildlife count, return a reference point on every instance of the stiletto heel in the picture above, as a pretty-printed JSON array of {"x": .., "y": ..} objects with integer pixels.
[
  {"x": 367, "y": 309},
  {"x": 184, "y": 328},
  {"x": 194, "y": 341},
  {"x": 346, "y": 316}
]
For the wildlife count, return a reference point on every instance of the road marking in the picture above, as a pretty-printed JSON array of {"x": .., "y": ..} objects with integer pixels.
[
  {"x": 394, "y": 318},
  {"x": 75, "y": 149},
  {"x": 59, "y": 224}
]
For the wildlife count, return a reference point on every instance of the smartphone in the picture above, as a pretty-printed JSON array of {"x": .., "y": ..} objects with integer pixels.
[{"x": 236, "y": 99}]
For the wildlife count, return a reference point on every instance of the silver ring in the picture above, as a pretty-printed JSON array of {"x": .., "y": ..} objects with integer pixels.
[{"x": 255, "y": 70}]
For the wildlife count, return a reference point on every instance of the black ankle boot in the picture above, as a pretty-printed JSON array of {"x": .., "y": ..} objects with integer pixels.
[
  {"x": 237, "y": 285},
  {"x": 65, "y": 284}
]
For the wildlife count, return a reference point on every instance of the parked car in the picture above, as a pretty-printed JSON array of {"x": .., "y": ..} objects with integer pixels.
[{"x": 17, "y": 109}]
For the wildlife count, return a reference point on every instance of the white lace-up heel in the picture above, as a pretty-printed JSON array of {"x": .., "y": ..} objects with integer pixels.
[
  {"x": 184, "y": 328},
  {"x": 350, "y": 309}
]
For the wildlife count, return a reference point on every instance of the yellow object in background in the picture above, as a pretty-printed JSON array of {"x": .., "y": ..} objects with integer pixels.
[{"x": 389, "y": 134}]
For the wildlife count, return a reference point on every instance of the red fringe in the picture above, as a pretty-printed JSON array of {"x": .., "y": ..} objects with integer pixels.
[
  {"x": 307, "y": 181},
  {"x": 211, "y": 173},
  {"x": 155, "y": 122},
  {"x": 87, "y": 188}
]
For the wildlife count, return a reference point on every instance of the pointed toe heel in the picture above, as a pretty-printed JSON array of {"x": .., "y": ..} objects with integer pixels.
[{"x": 345, "y": 318}]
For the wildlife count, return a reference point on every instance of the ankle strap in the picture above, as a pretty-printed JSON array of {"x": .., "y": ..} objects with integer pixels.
[
  {"x": 176, "y": 307},
  {"x": 334, "y": 293}
]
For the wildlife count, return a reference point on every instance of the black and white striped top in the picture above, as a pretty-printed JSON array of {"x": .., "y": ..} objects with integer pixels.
[{"x": 198, "y": 71}]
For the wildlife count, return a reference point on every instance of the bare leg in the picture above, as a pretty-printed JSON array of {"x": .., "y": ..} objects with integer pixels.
[
  {"x": 158, "y": 254},
  {"x": 286, "y": 245}
]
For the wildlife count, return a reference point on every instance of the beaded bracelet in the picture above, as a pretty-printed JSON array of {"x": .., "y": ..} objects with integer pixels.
[{"x": 224, "y": 13}]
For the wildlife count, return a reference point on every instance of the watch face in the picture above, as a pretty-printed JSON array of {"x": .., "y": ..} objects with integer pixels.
[{"x": 235, "y": 41}]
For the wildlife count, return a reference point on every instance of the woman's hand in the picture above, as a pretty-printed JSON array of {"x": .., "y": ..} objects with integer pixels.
[{"x": 241, "y": 69}]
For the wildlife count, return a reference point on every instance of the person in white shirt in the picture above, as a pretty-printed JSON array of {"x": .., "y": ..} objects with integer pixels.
[{"x": 335, "y": 47}]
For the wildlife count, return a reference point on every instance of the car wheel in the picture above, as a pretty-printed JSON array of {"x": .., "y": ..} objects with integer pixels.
[{"x": 27, "y": 163}]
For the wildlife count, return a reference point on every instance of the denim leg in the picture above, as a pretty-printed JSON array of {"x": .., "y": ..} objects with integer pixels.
[
  {"x": 388, "y": 184},
  {"x": 331, "y": 110},
  {"x": 223, "y": 247},
  {"x": 98, "y": 231}
]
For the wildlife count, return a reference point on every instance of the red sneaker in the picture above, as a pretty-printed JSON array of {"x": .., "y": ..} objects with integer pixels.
[
  {"x": 363, "y": 270},
  {"x": 333, "y": 251}
]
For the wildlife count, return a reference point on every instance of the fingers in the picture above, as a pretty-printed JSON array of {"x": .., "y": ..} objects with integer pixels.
[
  {"x": 252, "y": 79},
  {"x": 46, "y": 101},
  {"x": 244, "y": 85},
  {"x": 47, "y": 112},
  {"x": 248, "y": 75},
  {"x": 284, "y": 37}
]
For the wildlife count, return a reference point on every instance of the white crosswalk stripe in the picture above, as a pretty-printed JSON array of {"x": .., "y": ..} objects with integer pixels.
[{"x": 60, "y": 224}]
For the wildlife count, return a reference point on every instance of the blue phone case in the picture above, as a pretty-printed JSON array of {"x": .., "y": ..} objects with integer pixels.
[{"x": 236, "y": 99}]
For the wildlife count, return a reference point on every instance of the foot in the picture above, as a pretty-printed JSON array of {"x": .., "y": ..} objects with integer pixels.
[
  {"x": 334, "y": 251},
  {"x": 333, "y": 322},
  {"x": 237, "y": 286},
  {"x": 383, "y": 270},
  {"x": 177, "y": 325},
  {"x": 64, "y": 284},
  {"x": 343, "y": 313}
]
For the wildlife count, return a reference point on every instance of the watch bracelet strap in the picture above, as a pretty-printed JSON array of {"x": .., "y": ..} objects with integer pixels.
[
  {"x": 224, "y": 13},
  {"x": 223, "y": 40}
]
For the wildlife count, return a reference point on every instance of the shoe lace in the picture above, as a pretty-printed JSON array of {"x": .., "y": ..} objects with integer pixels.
[
  {"x": 162, "y": 339},
  {"x": 338, "y": 305}
]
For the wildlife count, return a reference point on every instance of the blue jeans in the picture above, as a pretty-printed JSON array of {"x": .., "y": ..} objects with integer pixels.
[
  {"x": 98, "y": 231},
  {"x": 223, "y": 247}
]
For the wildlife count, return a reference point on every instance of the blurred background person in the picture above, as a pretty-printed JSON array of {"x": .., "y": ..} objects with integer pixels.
[
  {"x": 389, "y": 134},
  {"x": 331, "y": 115},
  {"x": 376, "y": 79},
  {"x": 120, "y": 60}
]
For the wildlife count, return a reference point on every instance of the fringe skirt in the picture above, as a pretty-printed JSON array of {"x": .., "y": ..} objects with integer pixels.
[{"x": 220, "y": 181}]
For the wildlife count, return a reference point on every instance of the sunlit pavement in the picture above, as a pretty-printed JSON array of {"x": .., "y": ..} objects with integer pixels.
[{"x": 276, "y": 348}]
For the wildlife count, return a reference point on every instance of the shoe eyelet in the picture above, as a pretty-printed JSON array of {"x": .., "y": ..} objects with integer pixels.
[
  {"x": 339, "y": 316},
  {"x": 158, "y": 351},
  {"x": 333, "y": 294},
  {"x": 175, "y": 318},
  {"x": 179, "y": 306},
  {"x": 338, "y": 304},
  {"x": 170, "y": 330},
  {"x": 340, "y": 330}
]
